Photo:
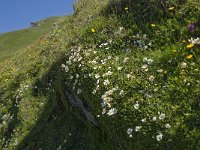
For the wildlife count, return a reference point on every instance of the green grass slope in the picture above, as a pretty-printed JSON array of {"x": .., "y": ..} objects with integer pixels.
[
  {"x": 121, "y": 75},
  {"x": 12, "y": 41}
]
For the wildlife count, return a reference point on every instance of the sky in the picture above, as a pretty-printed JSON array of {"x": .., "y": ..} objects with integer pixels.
[{"x": 17, "y": 14}]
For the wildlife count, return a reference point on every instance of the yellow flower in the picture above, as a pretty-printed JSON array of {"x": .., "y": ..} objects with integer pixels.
[
  {"x": 126, "y": 8},
  {"x": 189, "y": 56},
  {"x": 190, "y": 45},
  {"x": 93, "y": 30},
  {"x": 171, "y": 8},
  {"x": 153, "y": 25},
  {"x": 184, "y": 41},
  {"x": 174, "y": 51}
]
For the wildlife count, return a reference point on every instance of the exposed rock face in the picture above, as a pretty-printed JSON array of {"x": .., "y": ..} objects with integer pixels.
[{"x": 75, "y": 101}]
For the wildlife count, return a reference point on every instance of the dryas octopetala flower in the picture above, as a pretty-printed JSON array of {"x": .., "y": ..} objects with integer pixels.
[
  {"x": 129, "y": 131},
  {"x": 159, "y": 137},
  {"x": 162, "y": 116},
  {"x": 136, "y": 106},
  {"x": 154, "y": 118},
  {"x": 121, "y": 92},
  {"x": 194, "y": 41},
  {"x": 167, "y": 126},
  {"x": 183, "y": 65},
  {"x": 137, "y": 128},
  {"x": 112, "y": 111},
  {"x": 151, "y": 78},
  {"x": 66, "y": 68},
  {"x": 79, "y": 91},
  {"x": 160, "y": 70},
  {"x": 106, "y": 82}
]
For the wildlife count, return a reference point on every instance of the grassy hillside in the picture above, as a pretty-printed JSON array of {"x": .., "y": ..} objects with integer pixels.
[
  {"x": 12, "y": 41},
  {"x": 121, "y": 75}
]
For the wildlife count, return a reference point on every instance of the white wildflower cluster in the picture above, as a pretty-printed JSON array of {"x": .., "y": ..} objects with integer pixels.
[
  {"x": 194, "y": 41},
  {"x": 148, "y": 62},
  {"x": 107, "y": 96},
  {"x": 77, "y": 59},
  {"x": 142, "y": 42},
  {"x": 130, "y": 130},
  {"x": 22, "y": 89},
  {"x": 119, "y": 30},
  {"x": 101, "y": 70},
  {"x": 161, "y": 116},
  {"x": 112, "y": 111},
  {"x": 103, "y": 45}
]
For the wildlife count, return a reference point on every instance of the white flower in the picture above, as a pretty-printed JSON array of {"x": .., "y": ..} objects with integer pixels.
[
  {"x": 109, "y": 73},
  {"x": 151, "y": 78},
  {"x": 103, "y": 111},
  {"x": 129, "y": 131},
  {"x": 66, "y": 68},
  {"x": 137, "y": 128},
  {"x": 162, "y": 116},
  {"x": 145, "y": 66},
  {"x": 112, "y": 111},
  {"x": 77, "y": 75},
  {"x": 129, "y": 76},
  {"x": 144, "y": 120},
  {"x": 97, "y": 76},
  {"x": 79, "y": 91},
  {"x": 109, "y": 57},
  {"x": 154, "y": 118},
  {"x": 148, "y": 61},
  {"x": 160, "y": 70},
  {"x": 63, "y": 66},
  {"x": 106, "y": 82},
  {"x": 69, "y": 62},
  {"x": 194, "y": 41},
  {"x": 121, "y": 92},
  {"x": 94, "y": 91},
  {"x": 159, "y": 137},
  {"x": 116, "y": 58},
  {"x": 98, "y": 81},
  {"x": 126, "y": 59},
  {"x": 136, "y": 106},
  {"x": 59, "y": 148},
  {"x": 167, "y": 126},
  {"x": 119, "y": 68},
  {"x": 183, "y": 65},
  {"x": 103, "y": 104}
]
